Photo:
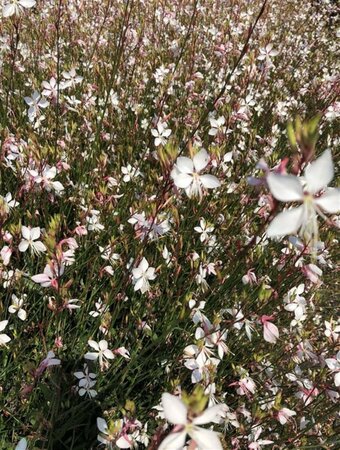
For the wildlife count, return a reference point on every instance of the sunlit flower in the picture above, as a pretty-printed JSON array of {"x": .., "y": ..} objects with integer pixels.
[
  {"x": 16, "y": 306},
  {"x": 312, "y": 191},
  {"x": 141, "y": 276},
  {"x": 161, "y": 133},
  {"x": 4, "y": 339},
  {"x": 186, "y": 174},
  {"x": 14, "y": 7},
  {"x": 176, "y": 412},
  {"x": 30, "y": 240}
]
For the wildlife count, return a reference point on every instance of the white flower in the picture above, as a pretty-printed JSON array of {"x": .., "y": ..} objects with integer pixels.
[
  {"x": 16, "y": 307},
  {"x": 16, "y": 6},
  {"x": 176, "y": 412},
  {"x": 186, "y": 174},
  {"x": 30, "y": 236},
  {"x": 3, "y": 337},
  {"x": 70, "y": 79},
  {"x": 35, "y": 103},
  {"x": 86, "y": 382},
  {"x": 267, "y": 53},
  {"x": 141, "y": 276},
  {"x": 46, "y": 179},
  {"x": 8, "y": 202},
  {"x": 288, "y": 188},
  {"x": 203, "y": 229},
  {"x": 129, "y": 173},
  {"x": 217, "y": 126},
  {"x": 102, "y": 352},
  {"x": 161, "y": 134}
]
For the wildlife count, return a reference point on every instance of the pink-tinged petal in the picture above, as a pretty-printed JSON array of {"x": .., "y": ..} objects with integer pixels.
[
  {"x": 212, "y": 414},
  {"x": 185, "y": 165},
  {"x": 35, "y": 233},
  {"x": 286, "y": 188},
  {"x": 287, "y": 222},
  {"x": 93, "y": 344},
  {"x": 210, "y": 181},
  {"x": 201, "y": 160},
  {"x": 320, "y": 172},
  {"x": 175, "y": 410},
  {"x": 183, "y": 180},
  {"x": 329, "y": 201},
  {"x": 26, "y": 233},
  {"x": 174, "y": 441},
  {"x": 270, "y": 332},
  {"x": 41, "y": 279},
  {"x": 23, "y": 246},
  {"x": 206, "y": 439}
]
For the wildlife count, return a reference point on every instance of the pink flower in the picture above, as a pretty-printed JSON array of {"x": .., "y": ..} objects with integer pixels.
[
  {"x": 50, "y": 276},
  {"x": 270, "y": 331}
]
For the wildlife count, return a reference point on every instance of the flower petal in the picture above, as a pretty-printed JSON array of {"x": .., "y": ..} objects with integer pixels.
[
  {"x": 175, "y": 410},
  {"x": 329, "y": 201},
  {"x": 201, "y": 160},
  {"x": 286, "y": 188},
  {"x": 210, "y": 181},
  {"x": 184, "y": 164},
  {"x": 206, "y": 439},
  {"x": 174, "y": 441},
  {"x": 212, "y": 414},
  {"x": 183, "y": 180},
  {"x": 287, "y": 222},
  {"x": 320, "y": 172}
]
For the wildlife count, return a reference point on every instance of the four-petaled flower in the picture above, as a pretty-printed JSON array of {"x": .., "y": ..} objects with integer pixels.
[
  {"x": 186, "y": 174},
  {"x": 30, "y": 236},
  {"x": 3, "y": 337},
  {"x": 312, "y": 191},
  {"x": 161, "y": 134},
  {"x": 16, "y": 307},
  {"x": 176, "y": 412},
  {"x": 141, "y": 276},
  {"x": 101, "y": 353},
  {"x": 35, "y": 103}
]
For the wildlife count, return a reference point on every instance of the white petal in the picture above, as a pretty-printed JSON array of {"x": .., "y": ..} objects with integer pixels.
[
  {"x": 144, "y": 265},
  {"x": 175, "y": 410},
  {"x": 287, "y": 222},
  {"x": 286, "y": 188},
  {"x": 3, "y": 324},
  {"x": 102, "y": 425},
  {"x": 139, "y": 284},
  {"x": 211, "y": 414},
  {"x": 22, "y": 314},
  {"x": 93, "y": 344},
  {"x": 210, "y": 181},
  {"x": 23, "y": 246},
  {"x": 91, "y": 356},
  {"x": 35, "y": 233},
  {"x": 103, "y": 345},
  {"x": 108, "y": 354},
  {"x": 320, "y": 172},
  {"x": 183, "y": 180},
  {"x": 329, "y": 201},
  {"x": 39, "y": 246},
  {"x": 206, "y": 439},
  {"x": 337, "y": 379},
  {"x": 185, "y": 165},
  {"x": 27, "y": 3},
  {"x": 26, "y": 233},
  {"x": 9, "y": 10},
  {"x": 4, "y": 339},
  {"x": 201, "y": 160},
  {"x": 174, "y": 441}
]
